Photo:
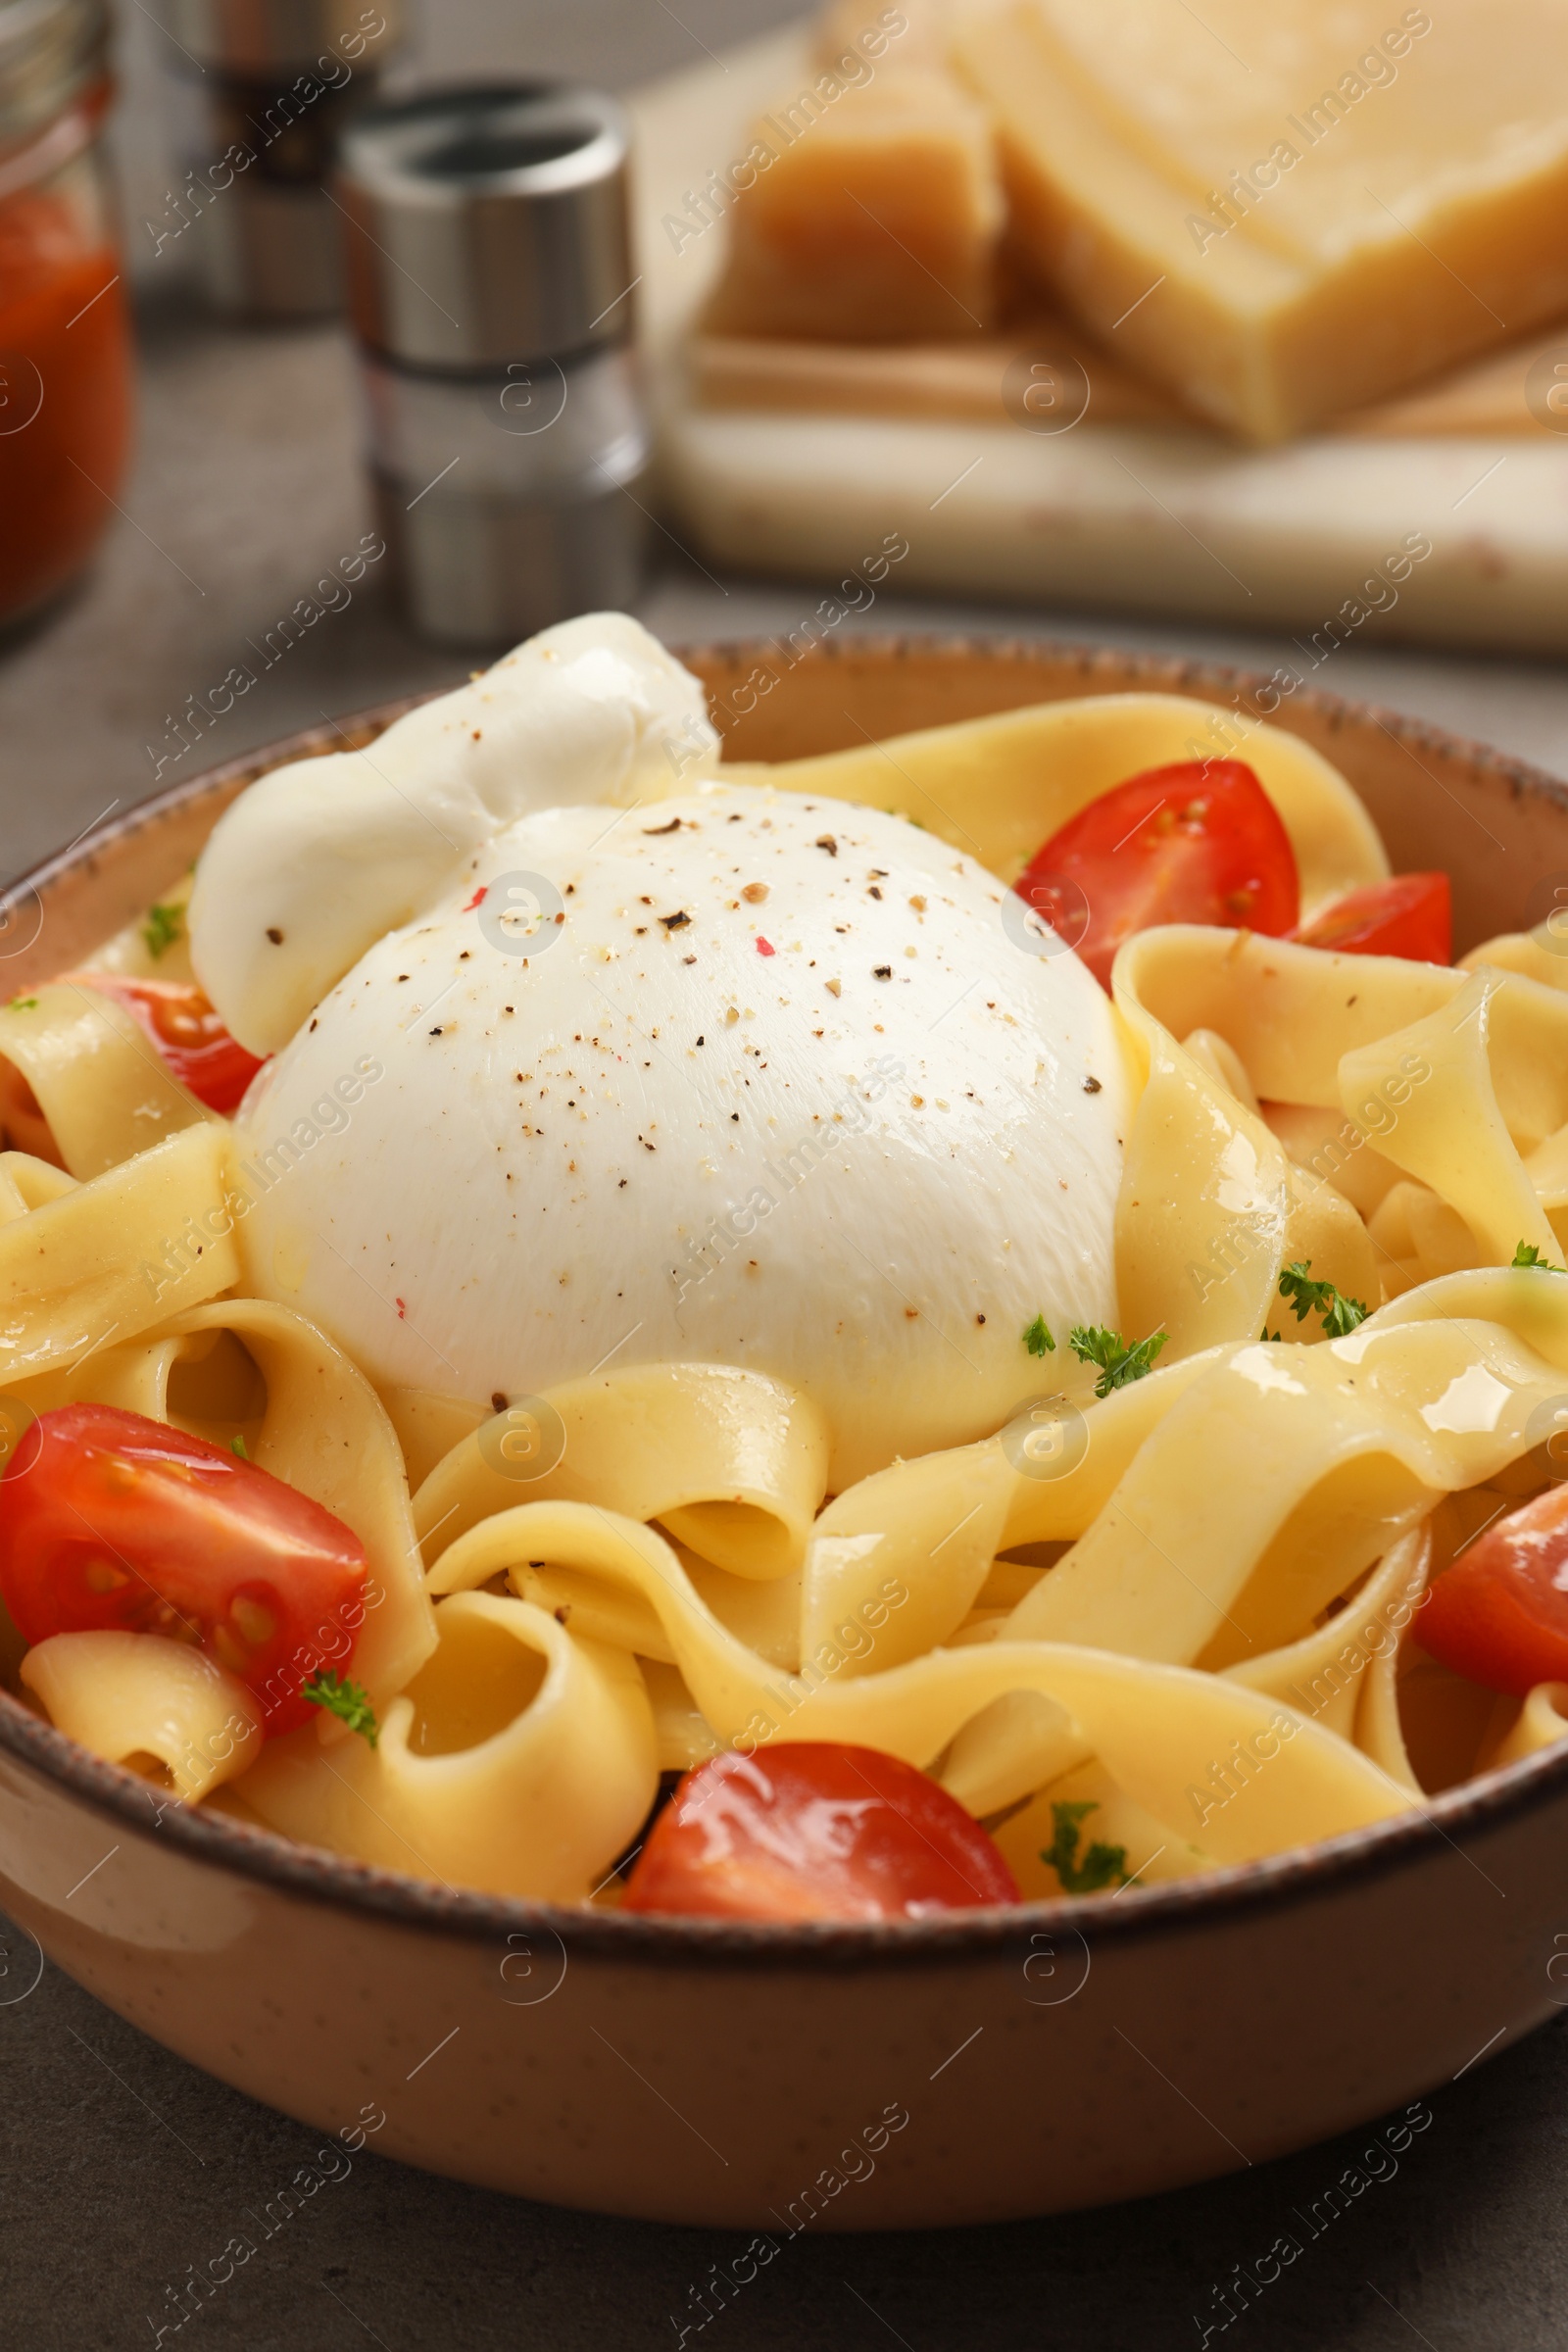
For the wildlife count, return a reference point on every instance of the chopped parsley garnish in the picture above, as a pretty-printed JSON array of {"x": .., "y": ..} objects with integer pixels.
[
  {"x": 1340, "y": 1314},
  {"x": 1037, "y": 1338},
  {"x": 1527, "y": 1254},
  {"x": 163, "y": 925},
  {"x": 238, "y": 1446},
  {"x": 1100, "y": 1865},
  {"x": 342, "y": 1698},
  {"x": 1119, "y": 1363},
  {"x": 22, "y": 1005}
]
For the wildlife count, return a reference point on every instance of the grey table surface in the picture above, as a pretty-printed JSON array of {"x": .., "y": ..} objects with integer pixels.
[{"x": 124, "y": 2165}]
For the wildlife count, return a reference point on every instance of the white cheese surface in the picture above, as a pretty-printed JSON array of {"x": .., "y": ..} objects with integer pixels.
[
  {"x": 321, "y": 856},
  {"x": 778, "y": 1089}
]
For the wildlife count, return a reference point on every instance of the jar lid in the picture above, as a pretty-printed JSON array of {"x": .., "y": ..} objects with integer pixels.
[
  {"x": 487, "y": 224},
  {"x": 49, "y": 51},
  {"x": 260, "y": 36}
]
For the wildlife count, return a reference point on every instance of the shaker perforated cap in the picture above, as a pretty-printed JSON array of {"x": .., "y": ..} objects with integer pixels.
[{"x": 487, "y": 224}]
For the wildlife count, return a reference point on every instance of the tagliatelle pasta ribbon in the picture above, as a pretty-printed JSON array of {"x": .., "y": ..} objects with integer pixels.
[
  {"x": 100, "y": 1082},
  {"x": 935, "y": 1523},
  {"x": 1454, "y": 1074},
  {"x": 999, "y": 786},
  {"x": 1154, "y": 1727},
  {"x": 130, "y": 1695},
  {"x": 1387, "y": 1603},
  {"x": 1342, "y": 1675},
  {"x": 93, "y": 1261},
  {"x": 1212, "y": 1205},
  {"x": 1327, "y": 1672},
  {"x": 1538, "y": 955},
  {"x": 1048, "y": 1510},
  {"x": 487, "y": 1772},
  {"x": 1293, "y": 1013},
  {"x": 733, "y": 1463},
  {"x": 1207, "y": 1187},
  {"x": 1543, "y": 1722},
  {"x": 764, "y": 1617},
  {"x": 1450, "y": 1131},
  {"x": 1324, "y": 1456},
  {"x": 606, "y": 1544},
  {"x": 1152, "y": 1850},
  {"x": 26, "y": 1184}
]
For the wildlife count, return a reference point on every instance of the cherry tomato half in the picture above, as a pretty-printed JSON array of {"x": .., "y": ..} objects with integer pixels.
[
  {"x": 1499, "y": 1615},
  {"x": 111, "y": 1521},
  {"x": 1409, "y": 915},
  {"x": 181, "y": 1021},
  {"x": 1197, "y": 842},
  {"x": 808, "y": 1830}
]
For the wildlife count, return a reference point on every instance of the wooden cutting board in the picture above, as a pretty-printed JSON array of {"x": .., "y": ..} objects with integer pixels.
[
  {"x": 805, "y": 458},
  {"x": 966, "y": 379}
]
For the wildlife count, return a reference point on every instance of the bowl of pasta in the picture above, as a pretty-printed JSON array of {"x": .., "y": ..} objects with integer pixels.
[{"x": 783, "y": 1436}]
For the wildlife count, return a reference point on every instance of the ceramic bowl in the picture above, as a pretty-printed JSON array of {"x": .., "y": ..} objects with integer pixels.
[{"x": 854, "y": 2078}]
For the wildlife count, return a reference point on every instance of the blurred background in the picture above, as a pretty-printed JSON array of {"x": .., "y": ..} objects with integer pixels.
[
  {"x": 243, "y": 484},
  {"x": 187, "y": 523}
]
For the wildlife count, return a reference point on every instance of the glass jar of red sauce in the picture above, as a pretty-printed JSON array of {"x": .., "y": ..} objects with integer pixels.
[{"x": 64, "y": 328}]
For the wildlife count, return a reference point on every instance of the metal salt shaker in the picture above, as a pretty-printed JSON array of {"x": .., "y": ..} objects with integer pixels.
[
  {"x": 262, "y": 91},
  {"x": 488, "y": 245}
]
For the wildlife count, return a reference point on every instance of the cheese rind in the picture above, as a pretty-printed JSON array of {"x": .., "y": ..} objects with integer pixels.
[
  {"x": 874, "y": 218},
  {"x": 1409, "y": 233}
]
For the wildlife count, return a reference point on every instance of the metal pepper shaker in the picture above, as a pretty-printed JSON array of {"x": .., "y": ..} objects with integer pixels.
[
  {"x": 487, "y": 246},
  {"x": 262, "y": 91}
]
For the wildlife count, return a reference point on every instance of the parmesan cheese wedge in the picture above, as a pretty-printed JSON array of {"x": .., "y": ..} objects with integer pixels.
[
  {"x": 1285, "y": 213},
  {"x": 869, "y": 217}
]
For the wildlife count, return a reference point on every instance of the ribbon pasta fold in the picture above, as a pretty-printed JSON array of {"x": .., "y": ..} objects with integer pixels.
[
  {"x": 730, "y": 1461},
  {"x": 1154, "y": 1727},
  {"x": 97, "y": 1079},
  {"x": 116, "y": 1255},
  {"x": 135, "y": 1696},
  {"x": 519, "y": 1760}
]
